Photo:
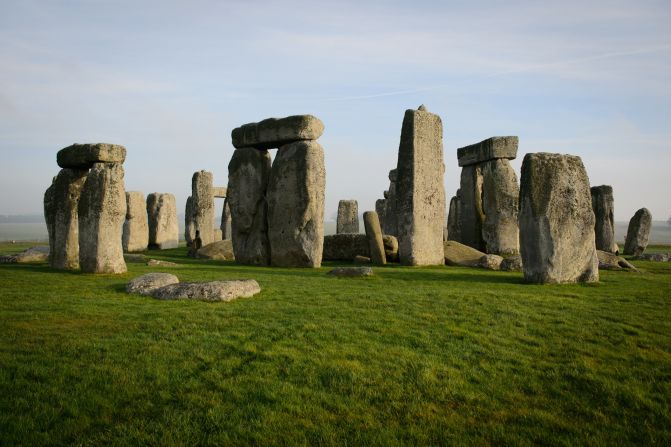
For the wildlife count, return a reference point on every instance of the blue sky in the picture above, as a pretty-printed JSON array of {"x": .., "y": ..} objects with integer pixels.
[{"x": 170, "y": 80}]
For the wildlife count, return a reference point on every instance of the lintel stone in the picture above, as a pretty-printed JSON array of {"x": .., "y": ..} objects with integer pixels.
[
  {"x": 82, "y": 156},
  {"x": 275, "y": 132},
  {"x": 489, "y": 149}
]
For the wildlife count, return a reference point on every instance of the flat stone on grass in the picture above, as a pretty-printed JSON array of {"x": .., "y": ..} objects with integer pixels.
[
  {"x": 351, "y": 272},
  {"x": 208, "y": 291},
  {"x": 146, "y": 284}
]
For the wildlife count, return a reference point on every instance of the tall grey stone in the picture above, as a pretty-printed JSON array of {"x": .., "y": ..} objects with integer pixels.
[
  {"x": 380, "y": 208},
  {"x": 638, "y": 232},
  {"x": 102, "y": 211},
  {"x": 135, "y": 228},
  {"x": 471, "y": 209},
  {"x": 390, "y": 221},
  {"x": 61, "y": 203},
  {"x": 248, "y": 174},
  {"x": 500, "y": 195},
  {"x": 420, "y": 193},
  {"x": 556, "y": 220},
  {"x": 162, "y": 219},
  {"x": 203, "y": 205},
  {"x": 453, "y": 219},
  {"x": 374, "y": 236},
  {"x": 225, "y": 221},
  {"x": 604, "y": 227},
  {"x": 296, "y": 205},
  {"x": 189, "y": 222},
  {"x": 276, "y": 132},
  {"x": 348, "y": 217}
]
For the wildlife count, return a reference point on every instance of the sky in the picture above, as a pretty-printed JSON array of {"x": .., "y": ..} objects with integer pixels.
[{"x": 169, "y": 80}]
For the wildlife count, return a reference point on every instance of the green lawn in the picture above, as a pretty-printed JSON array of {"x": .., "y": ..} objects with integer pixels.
[{"x": 412, "y": 356}]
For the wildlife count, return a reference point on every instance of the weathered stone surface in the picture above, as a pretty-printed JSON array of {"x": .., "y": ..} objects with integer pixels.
[
  {"x": 296, "y": 205},
  {"x": 134, "y": 257},
  {"x": 380, "y": 209},
  {"x": 61, "y": 203},
  {"x": 219, "y": 250},
  {"x": 358, "y": 259},
  {"x": 189, "y": 223},
  {"x": 390, "y": 221},
  {"x": 203, "y": 205},
  {"x": 471, "y": 211},
  {"x": 160, "y": 263},
  {"x": 491, "y": 262},
  {"x": 135, "y": 227},
  {"x": 500, "y": 193},
  {"x": 348, "y": 217},
  {"x": 609, "y": 261},
  {"x": 102, "y": 211},
  {"x": 453, "y": 219},
  {"x": 420, "y": 192},
  {"x": 512, "y": 264},
  {"x": 276, "y": 132},
  {"x": 655, "y": 257},
  {"x": 390, "y": 247},
  {"x": 374, "y": 235},
  {"x": 226, "y": 221},
  {"x": 556, "y": 220},
  {"x": 162, "y": 219},
  {"x": 33, "y": 254},
  {"x": 147, "y": 283},
  {"x": 248, "y": 174},
  {"x": 219, "y": 192},
  {"x": 218, "y": 235},
  {"x": 458, "y": 254},
  {"x": 351, "y": 272},
  {"x": 208, "y": 291},
  {"x": 638, "y": 232},
  {"x": 83, "y": 156},
  {"x": 604, "y": 226},
  {"x": 489, "y": 149},
  {"x": 344, "y": 247}
]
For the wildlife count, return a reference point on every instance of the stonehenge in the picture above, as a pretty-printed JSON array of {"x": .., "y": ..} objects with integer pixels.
[
  {"x": 162, "y": 219},
  {"x": 556, "y": 220},
  {"x": 419, "y": 196},
  {"x": 277, "y": 211},
  {"x": 484, "y": 212},
  {"x": 638, "y": 233},
  {"x": 390, "y": 219},
  {"x": 374, "y": 236},
  {"x": 135, "y": 228},
  {"x": 85, "y": 208},
  {"x": 348, "y": 217},
  {"x": 604, "y": 224},
  {"x": 199, "y": 209},
  {"x": 225, "y": 226}
]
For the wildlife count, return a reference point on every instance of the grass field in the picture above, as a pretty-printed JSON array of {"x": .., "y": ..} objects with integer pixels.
[{"x": 412, "y": 356}]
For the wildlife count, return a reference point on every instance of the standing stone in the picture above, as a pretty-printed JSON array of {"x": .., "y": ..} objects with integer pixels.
[
  {"x": 374, "y": 235},
  {"x": 453, "y": 219},
  {"x": 556, "y": 220},
  {"x": 638, "y": 233},
  {"x": 203, "y": 205},
  {"x": 604, "y": 227},
  {"x": 61, "y": 202},
  {"x": 135, "y": 228},
  {"x": 500, "y": 194},
  {"x": 420, "y": 194},
  {"x": 226, "y": 221},
  {"x": 348, "y": 217},
  {"x": 471, "y": 210},
  {"x": 380, "y": 206},
  {"x": 102, "y": 211},
  {"x": 296, "y": 205},
  {"x": 162, "y": 218},
  {"x": 189, "y": 223},
  {"x": 390, "y": 220},
  {"x": 248, "y": 174}
]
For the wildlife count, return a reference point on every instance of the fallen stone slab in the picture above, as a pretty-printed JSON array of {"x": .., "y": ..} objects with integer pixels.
[
  {"x": 147, "y": 283},
  {"x": 275, "y": 132},
  {"x": 655, "y": 257},
  {"x": 489, "y": 149},
  {"x": 491, "y": 262},
  {"x": 159, "y": 263},
  {"x": 83, "y": 156},
  {"x": 32, "y": 254},
  {"x": 345, "y": 246},
  {"x": 358, "y": 259},
  {"x": 208, "y": 291},
  {"x": 512, "y": 264},
  {"x": 609, "y": 261},
  {"x": 351, "y": 272},
  {"x": 457, "y": 254},
  {"x": 220, "y": 251}
]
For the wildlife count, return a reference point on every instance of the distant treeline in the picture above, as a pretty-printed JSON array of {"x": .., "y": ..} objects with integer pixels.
[{"x": 21, "y": 218}]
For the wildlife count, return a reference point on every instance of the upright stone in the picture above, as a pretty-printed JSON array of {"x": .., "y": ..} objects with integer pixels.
[
  {"x": 604, "y": 226},
  {"x": 296, "y": 205},
  {"x": 162, "y": 218},
  {"x": 248, "y": 173},
  {"x": 380, "y": 208},
  {"x": 189, "y": 223},
  {"x": 135, "y": 228},
  {"x": 471, "y": 209},
  {"x": 374, "y": 236},
  {"x": 420, "y": 194},
  {"x": 226, "y": 221},
  {"x": 348, "y": 217},
  {"x": 203, "y": 205},
  {"x": 61, "y": 203},
  {"x": 500, "y": 195},
  {"x": 453, "y": 219},
  {"x": 638, "y": 232},
  {"x": 390, "y": 221},
  {"x": 556, "y": 220},
  {"x": 102, "y": 211}
]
